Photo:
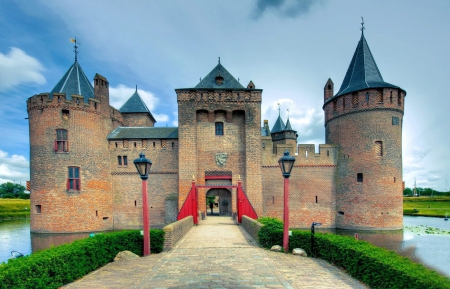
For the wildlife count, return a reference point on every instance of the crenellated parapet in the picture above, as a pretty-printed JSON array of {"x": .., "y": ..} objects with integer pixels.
[
  {"x": 373, "y": 99},
  {"x": 59, "y": 100},
  {"x": 219, "y": 95},
  {"x": 327, "y": 155}
]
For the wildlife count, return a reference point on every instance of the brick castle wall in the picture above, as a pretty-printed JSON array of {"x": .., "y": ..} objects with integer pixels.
[{"x": 375, "y": 202}]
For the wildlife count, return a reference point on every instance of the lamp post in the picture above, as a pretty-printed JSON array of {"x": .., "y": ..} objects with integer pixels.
[
  {"x": 312, "y": 236},
  {"x": 143, "y": 166},
  {"x": 286, "y": 163}
]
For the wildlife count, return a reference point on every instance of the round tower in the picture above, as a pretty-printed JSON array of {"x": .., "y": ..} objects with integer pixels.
[
  {"x": 69, "y": 160},
  {"x": 365, "y": 119}
]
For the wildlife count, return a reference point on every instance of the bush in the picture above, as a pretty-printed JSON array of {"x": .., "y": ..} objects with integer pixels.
[
  {"x": 374, "y": 266},
  {"x": 271, "y": 233},
  {"x": 60, "y": 265}
]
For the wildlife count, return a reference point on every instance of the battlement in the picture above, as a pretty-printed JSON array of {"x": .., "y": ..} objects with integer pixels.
[
  {"x": 364, "y": 100},
  {"x": 219, "y": 95},
  {"x": 43, "y": 100},
  {"x": 327, "y": 155}
]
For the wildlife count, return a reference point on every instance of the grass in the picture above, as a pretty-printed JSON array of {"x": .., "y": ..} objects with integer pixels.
[
  {"x": 14, "y": 209},
  {"x": 426, "y": 206}
]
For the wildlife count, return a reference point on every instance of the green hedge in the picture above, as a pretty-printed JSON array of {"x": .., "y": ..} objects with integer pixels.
[
  {"x": 60, "y": 265},
  {"x": 372, "y": 265}
]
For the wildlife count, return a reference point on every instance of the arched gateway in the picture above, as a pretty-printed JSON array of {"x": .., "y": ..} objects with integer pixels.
[
  {"x": 222, "y": 202},
  {"x": 227, "y": 207}
]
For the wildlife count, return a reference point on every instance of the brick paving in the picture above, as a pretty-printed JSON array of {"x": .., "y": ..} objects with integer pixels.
[{"x": 218, "y": 254}]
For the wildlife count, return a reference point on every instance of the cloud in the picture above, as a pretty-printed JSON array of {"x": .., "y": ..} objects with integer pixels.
[
  {"x": 15, "y": 168},
  {"x": 17, "y": 67},
  {"x": 283, "y": 8},
  {"x": 121, "y": 93},
  {"x": 308, "y": 122},
  {"x": 161, "y": 117}
]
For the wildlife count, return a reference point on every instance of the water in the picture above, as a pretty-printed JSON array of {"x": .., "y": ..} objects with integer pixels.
[
  {"x": 432, "y": 250},
  {"x": 15, "y": 236}
]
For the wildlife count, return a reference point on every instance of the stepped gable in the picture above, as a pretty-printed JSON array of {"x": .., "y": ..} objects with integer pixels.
[
  {"x": 74, "y": 81},
  {"x": 135, "y": 104},
  {"x": 279, "y": 126},
  {"x": 219, "y": 78},
  {"x": 363, "y": 72},
  {"x": 144, "y": 133}
]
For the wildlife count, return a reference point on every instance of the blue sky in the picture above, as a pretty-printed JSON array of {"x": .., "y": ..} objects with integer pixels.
[{"x": 288, "y": 48}]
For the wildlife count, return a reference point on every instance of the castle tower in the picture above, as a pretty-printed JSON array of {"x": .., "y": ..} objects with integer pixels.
[
  {"x": 220, "y": 136},
  {"x": 136, "y": 113},
  {"x": 69, "y": 160},
  {"x": 365, "y": 119},
  {"x": 283, "y": 137}
]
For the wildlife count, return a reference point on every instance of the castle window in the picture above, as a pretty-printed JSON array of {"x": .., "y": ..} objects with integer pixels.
[
  {"x": 359, "y": 177},
  {"x": 154, "y": 145},
  {"x": 334, "y": 105},
  {"x": 328, "y": 153},
  {"x": 65, "y": 114},
  {"x": 379, "y": 148},
  {"x": 399, "y": 100},
  {"x": 122, "y": 161},
  {"x": 367, "y": 97},
  {"x": 173, "y": 144},
  {"x": 95, "y": 105},
  {"x": 61, "y": 142},
  {"x": 395, "y": 120},
  {"x": 390, "y": 97},
  {"x": 73, "y": 182},
  {"x": 219, "y": 128},
  {"x": 38, "y": 208},
  {"x": 343, "y": 103}
]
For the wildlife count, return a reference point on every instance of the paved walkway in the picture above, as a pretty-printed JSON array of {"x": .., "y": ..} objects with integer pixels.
[{"x": 218, "y": 254}]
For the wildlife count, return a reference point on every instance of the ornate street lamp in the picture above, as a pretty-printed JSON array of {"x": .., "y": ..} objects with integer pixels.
[
  {"x": 286, "y": 163},
  {"x": 143, "y": 166}
]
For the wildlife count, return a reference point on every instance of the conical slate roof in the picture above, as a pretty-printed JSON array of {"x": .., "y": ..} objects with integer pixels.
[
  {"x": 363, "y": 71},
  {"x": 288, "y": 125},
  {"x": 219, "y": 77},
  {"x": 74, "y": 82},
  {"x": 134, "y": 104},
  {"x": 279, "y": 126}
]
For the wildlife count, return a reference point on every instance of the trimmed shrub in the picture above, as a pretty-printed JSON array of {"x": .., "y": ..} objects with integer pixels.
[
  {"x": 372, "y": 265},
  {"x": 60, "y": 265},
  {"x": 271, "y": 233}
]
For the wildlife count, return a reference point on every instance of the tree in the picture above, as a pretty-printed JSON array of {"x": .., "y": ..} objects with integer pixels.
[
  {"x": 9, "y": 191},
  {"x": 407, "y": 192}
]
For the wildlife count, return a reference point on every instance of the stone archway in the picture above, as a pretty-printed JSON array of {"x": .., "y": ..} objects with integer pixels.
[{"x": 223, "y": 200}]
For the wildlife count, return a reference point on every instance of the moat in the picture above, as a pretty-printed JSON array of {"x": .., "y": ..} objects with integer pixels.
[{"x": 428, "y": 246}]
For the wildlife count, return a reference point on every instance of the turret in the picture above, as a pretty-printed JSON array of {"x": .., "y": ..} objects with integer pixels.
[{"x": 365, "y": 119}]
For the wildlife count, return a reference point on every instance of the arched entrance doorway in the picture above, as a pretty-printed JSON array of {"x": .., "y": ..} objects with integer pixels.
[{"x": 222, "y": 202}]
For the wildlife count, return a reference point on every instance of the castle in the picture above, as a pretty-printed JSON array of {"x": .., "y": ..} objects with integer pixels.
[{"x": 82, "y": 149}]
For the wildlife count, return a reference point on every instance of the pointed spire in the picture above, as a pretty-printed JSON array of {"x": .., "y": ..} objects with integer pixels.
[
  {"x": 279, "y": 125},
  {"x": 219, "y": 77},
  {"x": 134, "y": 104},
  {"x": 74, "y": 81},
  {"x": 363, "y": 71}
]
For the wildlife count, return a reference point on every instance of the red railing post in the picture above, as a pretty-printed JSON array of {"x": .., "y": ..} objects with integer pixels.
[{"x": 239, "y": 201}]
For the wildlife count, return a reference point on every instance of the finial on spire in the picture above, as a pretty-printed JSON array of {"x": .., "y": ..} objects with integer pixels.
[
  {"x": 238, "y": 79},
  {"x": 362, "y": 25},
  {"x": 74, "y": 40},
  {"x": 279, "y": 113},
  {"x": 219, "y": 59},
  {"x": 136, "y": 87},
  {"x": 288, "y": 112}
]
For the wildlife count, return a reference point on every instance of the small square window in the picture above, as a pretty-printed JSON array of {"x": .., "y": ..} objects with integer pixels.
[
  {"x": 219, "y": 128},
  {"x": 359, "y": 177},
  {"x": 395, "y": 120},
  {"x": 38, "y": 208}
]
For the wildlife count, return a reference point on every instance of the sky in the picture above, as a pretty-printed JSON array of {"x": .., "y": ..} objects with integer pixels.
[{"x": 288, "y": 48}]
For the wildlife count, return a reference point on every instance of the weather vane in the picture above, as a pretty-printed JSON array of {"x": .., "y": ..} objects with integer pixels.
[
  {"x": 279, "y": 113},
  {"x": 74, "y": 40},
  {"x": 362, "y": 25},
  {"x": 219, "y": 59},
  {"x": 288, "y": 112}
]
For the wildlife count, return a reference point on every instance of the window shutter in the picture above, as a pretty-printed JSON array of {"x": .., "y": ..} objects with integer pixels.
[
  {"x": 55, "y": 146},
  {"x": 68, "y": 184}
]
